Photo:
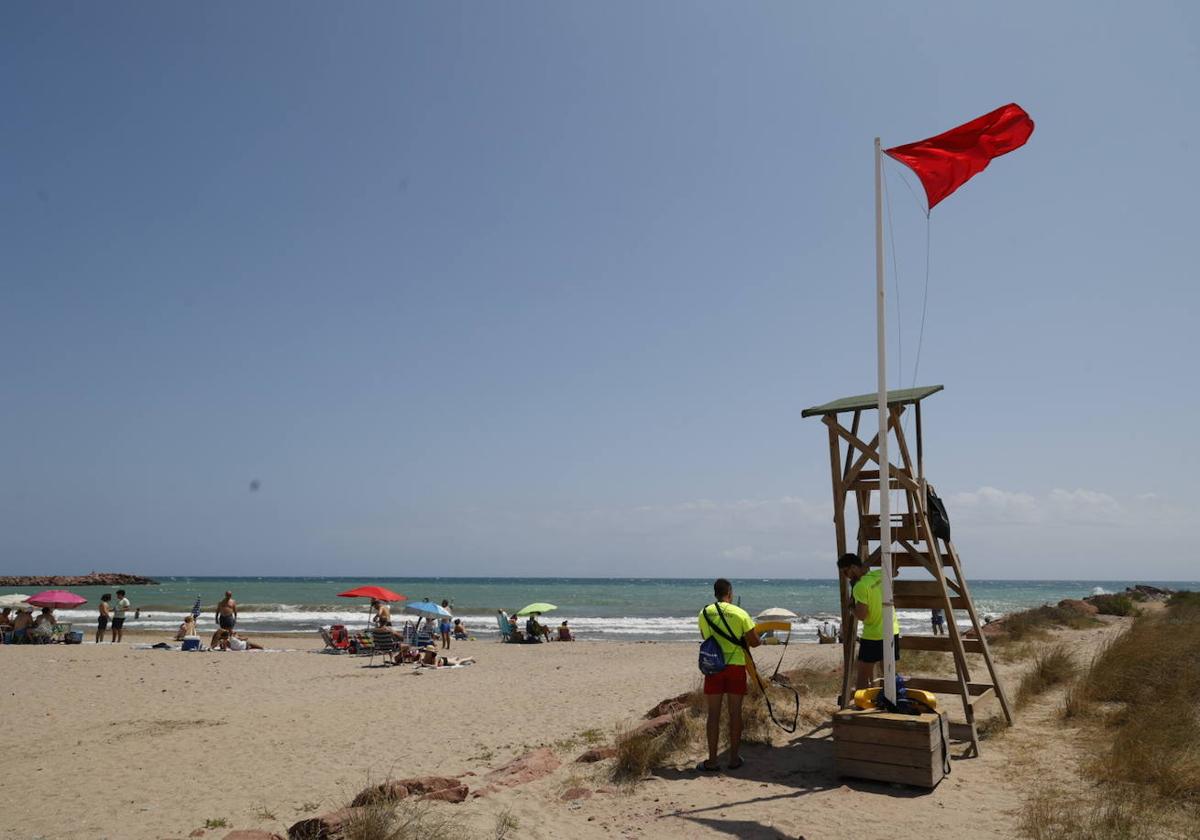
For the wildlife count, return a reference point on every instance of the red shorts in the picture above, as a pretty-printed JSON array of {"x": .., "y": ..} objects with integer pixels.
[{"x": 731, "y": 680}]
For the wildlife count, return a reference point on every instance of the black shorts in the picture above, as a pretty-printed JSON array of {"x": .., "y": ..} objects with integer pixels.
[
  {"x": 871, "y": 650},
  {"x": 102, "y": 623},
  {"x": 118, "y": 622},
  {"x": 226, "y": 622}
]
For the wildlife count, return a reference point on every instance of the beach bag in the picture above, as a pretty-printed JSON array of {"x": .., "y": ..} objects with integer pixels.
[
  {"x": 712, "y": 658},
  {"x": 939, "y": 520}
]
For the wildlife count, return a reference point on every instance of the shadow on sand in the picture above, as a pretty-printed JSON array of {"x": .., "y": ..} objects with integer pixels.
[{"x": 802, "y": 766}]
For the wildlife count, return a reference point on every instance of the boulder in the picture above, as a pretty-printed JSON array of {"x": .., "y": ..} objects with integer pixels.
[
  {"x": 329, "y": 826},
  {"x": 650, "y": 728},
  {"x": 596, "y": 754},
  {"x": 1081, "y": 607},
  {"x": 571, "y": 794},
  {"x": 670, "y": 706},
  {"x": 251, "y": 834},
  {"x": 397, "y": 789},
  {"x": 458, "y": 793},
  {"x": 533, "y": 765}
]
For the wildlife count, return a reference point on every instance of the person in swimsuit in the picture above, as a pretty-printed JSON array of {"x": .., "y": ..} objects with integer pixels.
[
  {"x": 227, "y": 612},
  {"x": 21, "y": 624},
  {"x": 105, "y": 613},
  {"x": 383, "y": 613},
  {"x": 444, "y": 626},
  {"x": 118, "y": 618}
]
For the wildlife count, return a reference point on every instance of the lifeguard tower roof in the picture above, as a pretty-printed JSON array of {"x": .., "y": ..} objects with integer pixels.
[{"x": 866, "y": 402}]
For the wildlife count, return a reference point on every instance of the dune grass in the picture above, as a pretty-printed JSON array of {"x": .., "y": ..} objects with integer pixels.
[
  {"x": 403, "y": 820},
  {"x": 1051, "y": 667},
  {"x": 1137, "y": 704}
]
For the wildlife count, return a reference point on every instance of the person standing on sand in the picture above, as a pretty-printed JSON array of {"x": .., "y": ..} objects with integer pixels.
[
  {"x": 734, "y": 630},
  {"x": 105, "y": 615},
  {"x": 118, "y": 618},
  {"x": 938, "y": 620},
  {"x": 444, "y": 625},
  {"x": 868, "y": 608},
  {"x": 226, "y": 614}
]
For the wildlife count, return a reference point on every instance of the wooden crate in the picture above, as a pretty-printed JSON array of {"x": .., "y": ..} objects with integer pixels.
[{"x": 885, "y": 747}]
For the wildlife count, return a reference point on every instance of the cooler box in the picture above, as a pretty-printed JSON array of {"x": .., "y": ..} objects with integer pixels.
[
  {"x": 73, "y": 637},
  {"x": 191, "y": 643}
]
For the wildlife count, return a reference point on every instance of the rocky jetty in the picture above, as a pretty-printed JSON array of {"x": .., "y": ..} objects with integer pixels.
[{"x": 92, "y": 579}]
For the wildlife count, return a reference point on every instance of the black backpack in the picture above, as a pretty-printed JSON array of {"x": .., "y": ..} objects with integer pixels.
[{"x": 939, "y": 520}]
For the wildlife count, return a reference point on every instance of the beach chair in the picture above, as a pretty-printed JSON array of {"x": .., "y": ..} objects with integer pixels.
[
  {"x": 384, "y": 642},
  {"x": 505, "y": 628},
  {"x": 336, "y": 639}
]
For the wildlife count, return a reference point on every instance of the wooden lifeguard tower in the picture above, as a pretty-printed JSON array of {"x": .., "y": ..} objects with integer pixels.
[{"x": 928, "y": 570}]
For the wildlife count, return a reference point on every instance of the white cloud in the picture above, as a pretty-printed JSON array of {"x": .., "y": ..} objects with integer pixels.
[{"x": 739, "y": 554}]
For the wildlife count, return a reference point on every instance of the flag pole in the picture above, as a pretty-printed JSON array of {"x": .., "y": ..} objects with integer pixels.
[{"x": 885, "y": 518}]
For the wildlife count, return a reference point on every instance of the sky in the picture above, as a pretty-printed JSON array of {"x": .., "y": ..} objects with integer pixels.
[{"x": 541, "y": 288}]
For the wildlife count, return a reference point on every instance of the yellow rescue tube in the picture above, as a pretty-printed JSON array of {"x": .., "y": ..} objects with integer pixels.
[{"x": 864, "y": 698}]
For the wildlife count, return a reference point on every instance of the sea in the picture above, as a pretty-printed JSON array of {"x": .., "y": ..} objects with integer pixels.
[{"x": 604, "y": 609}]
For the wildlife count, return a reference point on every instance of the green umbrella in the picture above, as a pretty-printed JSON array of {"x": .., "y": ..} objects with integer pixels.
[{"x": 539, "y": 607}]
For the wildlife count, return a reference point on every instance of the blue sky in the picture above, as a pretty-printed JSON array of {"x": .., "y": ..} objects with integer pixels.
[{"x": 541, "y": 288}]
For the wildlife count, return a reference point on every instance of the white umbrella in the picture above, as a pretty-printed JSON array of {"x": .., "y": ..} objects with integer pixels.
[
  {"x": 13, "y": 600},
  {"x": 776, "y": 613}
]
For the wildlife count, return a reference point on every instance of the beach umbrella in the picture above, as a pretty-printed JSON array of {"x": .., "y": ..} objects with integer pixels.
[
  {"x": 427, "y": 608},
  {"x": 15, "y": 599},
  {"x": 376, "y": 593},
  {"x": 196, "y": 609},
  {"x": 776, "y": 613},
  {"x": 56, "y": 599},
  {"x": 539, "y": 607},
  {"x": 379, "y": 593}
]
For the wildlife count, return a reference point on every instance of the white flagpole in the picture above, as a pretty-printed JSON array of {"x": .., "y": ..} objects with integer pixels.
[{"x": 885, "y": 520}]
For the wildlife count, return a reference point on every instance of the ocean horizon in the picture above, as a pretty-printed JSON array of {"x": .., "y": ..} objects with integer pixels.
[{"x": 598, "y": 608}]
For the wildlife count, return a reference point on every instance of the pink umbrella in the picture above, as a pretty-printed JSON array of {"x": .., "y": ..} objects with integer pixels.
[{"x": 56, "y": 598}]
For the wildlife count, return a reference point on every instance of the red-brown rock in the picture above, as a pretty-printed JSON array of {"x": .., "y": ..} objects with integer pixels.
[
  {"x": 251, "y": 834},
  {"x": 394, "y": 790},
  {"x": 533, "y": 765},
  {"x": 571, "y": 794},
  {"x": 670, "y": 706},
  {"x": 596, "y": 754},
  {"x": 458, "y": 793},
  {"x": 329, "y": 826},
  {"x": 1082, "y": 607},
  {"x": 651, "y": 727}
]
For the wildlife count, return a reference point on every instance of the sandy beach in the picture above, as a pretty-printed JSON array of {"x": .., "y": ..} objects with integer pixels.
[{"x": 120, "y": 742}]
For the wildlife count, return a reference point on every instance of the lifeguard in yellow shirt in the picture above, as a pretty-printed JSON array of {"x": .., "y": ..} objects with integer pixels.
[{"x": 868, "y": 608}]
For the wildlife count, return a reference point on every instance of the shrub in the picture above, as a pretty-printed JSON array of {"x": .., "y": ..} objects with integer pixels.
[
  {"x": 1113, "y": 604},
  {"x": 1036, "y": 622},
  {"x": 1184, "y": 600}
]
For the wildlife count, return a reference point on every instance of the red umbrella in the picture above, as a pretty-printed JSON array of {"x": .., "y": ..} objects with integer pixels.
[
  {"x": 376, "y": 592},
  {"x": 56, "y": 598}
]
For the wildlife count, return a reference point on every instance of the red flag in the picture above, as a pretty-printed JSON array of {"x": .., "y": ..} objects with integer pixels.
[{"x": 946, "y": 162}]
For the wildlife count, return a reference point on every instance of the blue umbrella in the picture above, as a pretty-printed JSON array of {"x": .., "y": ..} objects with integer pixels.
[
  {"x": 426, "y": 608},
  {"x": 196, "y": 608}
]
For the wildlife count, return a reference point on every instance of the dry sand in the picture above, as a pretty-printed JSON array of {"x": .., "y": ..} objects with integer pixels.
[{"x": 120, "y": 743}]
